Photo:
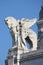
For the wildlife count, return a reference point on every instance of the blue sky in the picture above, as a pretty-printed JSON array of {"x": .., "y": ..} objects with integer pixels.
[{"x": 18, "y": 9}]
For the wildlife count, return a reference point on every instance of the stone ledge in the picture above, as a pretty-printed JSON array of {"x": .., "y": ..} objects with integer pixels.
[{"x": 31, "y": 55}]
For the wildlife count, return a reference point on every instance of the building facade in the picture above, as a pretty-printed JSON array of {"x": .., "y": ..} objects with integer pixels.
[{"x": 40, "y": 28}]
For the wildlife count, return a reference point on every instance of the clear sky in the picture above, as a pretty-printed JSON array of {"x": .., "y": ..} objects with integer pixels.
[{"x": 18, "y": 9}]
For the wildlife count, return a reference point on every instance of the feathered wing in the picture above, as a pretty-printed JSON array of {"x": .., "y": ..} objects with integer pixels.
[{"x": 28, "y": 23}]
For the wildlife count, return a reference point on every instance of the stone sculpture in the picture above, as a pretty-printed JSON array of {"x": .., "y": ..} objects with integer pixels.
[{"x": 20, "y": 31}]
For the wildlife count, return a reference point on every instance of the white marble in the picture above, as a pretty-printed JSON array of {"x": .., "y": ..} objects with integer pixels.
[{"x": 14, "y": 28}]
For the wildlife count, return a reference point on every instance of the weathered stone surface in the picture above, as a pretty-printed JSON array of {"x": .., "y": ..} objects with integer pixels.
[
  {"x": 32, "y": 58},
  {"x": 19, "y": 30}
]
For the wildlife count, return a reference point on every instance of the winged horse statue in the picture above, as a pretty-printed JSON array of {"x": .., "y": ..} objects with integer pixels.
[{"x": 26, "y": 33}]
